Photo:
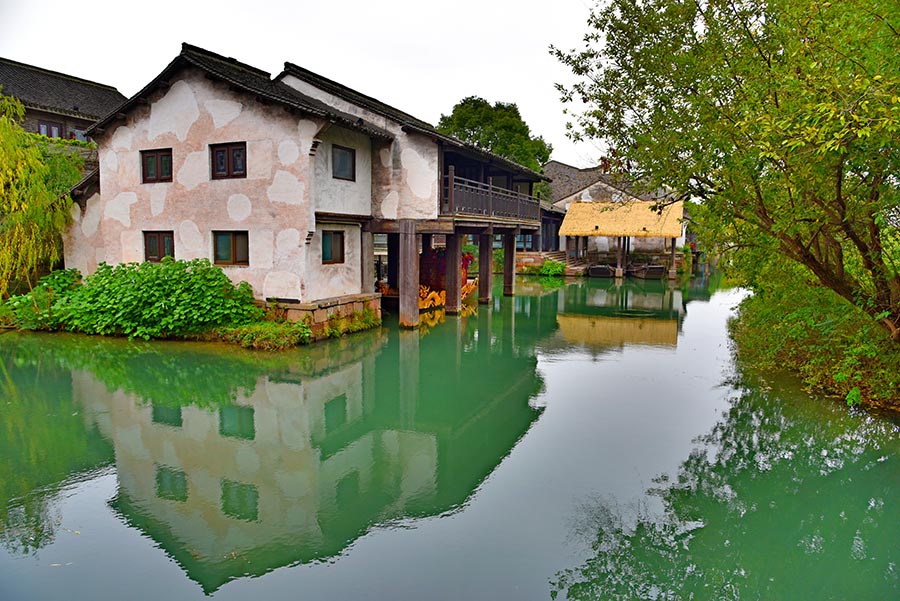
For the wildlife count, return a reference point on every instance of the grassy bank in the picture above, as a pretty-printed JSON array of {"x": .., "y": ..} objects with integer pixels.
[{"x": 792, "y": 324}]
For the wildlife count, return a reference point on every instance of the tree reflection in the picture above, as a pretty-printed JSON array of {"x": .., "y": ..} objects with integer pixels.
[
  {"x": 43, "y": 443},
  {"x": 783, "y": 499}
]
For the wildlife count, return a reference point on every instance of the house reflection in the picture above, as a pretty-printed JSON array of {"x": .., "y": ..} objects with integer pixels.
[
  {"x": 605, "y": 314},
  {"x": 305, "y": 460}
]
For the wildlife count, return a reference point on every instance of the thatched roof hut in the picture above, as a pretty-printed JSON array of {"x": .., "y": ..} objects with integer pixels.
[{"x": 632, "y": 218}]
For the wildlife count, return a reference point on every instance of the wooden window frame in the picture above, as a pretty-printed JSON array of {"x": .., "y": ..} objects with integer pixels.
[
  {"x": 335, "y": 148},
  {"x": 156, "y": 155},
  {"x": 326, "y": 234},
  {"x": 229, "y": 149},
  {"x": 160, "y": 245},
  {"x": 234, "y": 234},
  {"x": 48, "y": 125}
]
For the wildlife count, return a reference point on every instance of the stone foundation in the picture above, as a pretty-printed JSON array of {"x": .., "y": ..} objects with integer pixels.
[{"x": 317, "y": 313}]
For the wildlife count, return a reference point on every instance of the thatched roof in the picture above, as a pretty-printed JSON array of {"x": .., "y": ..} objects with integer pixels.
[
  {"x": 595, "y": 331},
  {"x": 632, "y": 218}
]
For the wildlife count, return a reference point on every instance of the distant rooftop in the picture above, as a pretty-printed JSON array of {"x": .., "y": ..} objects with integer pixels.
[{"x": 42, "y": 89}]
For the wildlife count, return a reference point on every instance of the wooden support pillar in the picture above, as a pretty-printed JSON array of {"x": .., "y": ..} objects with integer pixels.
[
  {"x": 620, "y": 256},
  {"x": 485, "y": 267},
  {"x": 453, "y": 257},
  {"x": 367, "y": 268},
  {"x": 409, "y": 274},
  {"x": 672, "y": 271},
  {"x": 393, "y": 261},
  {"x": 509, "y": 264}
]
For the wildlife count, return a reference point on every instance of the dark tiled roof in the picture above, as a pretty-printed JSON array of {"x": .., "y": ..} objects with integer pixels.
[
  {"x": 248, "y": 79},
  {"x": 57, "y": 92},
  {"x": 568, "y": 180},
  {"x": 406, "y": 120}
]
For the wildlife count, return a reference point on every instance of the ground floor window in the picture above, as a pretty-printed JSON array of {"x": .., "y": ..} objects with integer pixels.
[
  {"x": 231, "y": 248},
  {"x": 332, "y": 246},
  {"x": 158, "y": 245}
]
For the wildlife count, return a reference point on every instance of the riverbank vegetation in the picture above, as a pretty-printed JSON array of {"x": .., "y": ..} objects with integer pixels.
[
  {"x": 781, "y": 118},
  {"x": 171, "y": 299}
]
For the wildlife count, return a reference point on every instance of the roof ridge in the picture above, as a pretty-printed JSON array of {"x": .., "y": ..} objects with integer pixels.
[
  {"x": 192, "y": 49},
  {"x": 59, "y": 74},
  {"x": 290, "y": 69}
]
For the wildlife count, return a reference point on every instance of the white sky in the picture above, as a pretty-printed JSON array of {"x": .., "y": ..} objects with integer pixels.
[{"x": 418, "y": 56}]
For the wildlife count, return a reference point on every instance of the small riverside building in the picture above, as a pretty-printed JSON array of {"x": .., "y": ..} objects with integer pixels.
[{"x": 284, "y": 181}]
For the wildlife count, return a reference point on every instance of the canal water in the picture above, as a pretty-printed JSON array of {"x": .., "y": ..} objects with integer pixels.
[{"x": 585, "y": 441}]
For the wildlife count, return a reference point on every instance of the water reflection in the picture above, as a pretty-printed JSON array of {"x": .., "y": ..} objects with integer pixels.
[
  {"x": 601, "y": 315},
  {"x": 783, "y": 499},
  {"x": 237, "y": 463}
]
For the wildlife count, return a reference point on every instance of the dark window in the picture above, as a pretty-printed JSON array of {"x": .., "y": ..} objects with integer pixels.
[
  {"x": 343, "y": 163},
  {"x": 347, "y": 490},
  {"x": 156, "y": 165},
  {"x": 237, "y": 421},
  {"x": 332, "y": 247},
  {"x": 231, "y": 248},
  {"x": 171, "y": 484},
  {"x": 158, "y": 245},
  {"x": 228, "y": 160},
  {"x": 335, "y": 413},
  {"x": 163, "y": 414},
  {"x": 240, "y": 501},
  {"x": 51, "y": 129}
]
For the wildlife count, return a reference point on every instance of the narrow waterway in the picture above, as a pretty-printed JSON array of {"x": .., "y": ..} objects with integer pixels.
[{"x": 585, "y": 441}]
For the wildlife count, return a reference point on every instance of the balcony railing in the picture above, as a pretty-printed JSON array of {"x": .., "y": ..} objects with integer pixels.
[{"x": 467, "y": 197}]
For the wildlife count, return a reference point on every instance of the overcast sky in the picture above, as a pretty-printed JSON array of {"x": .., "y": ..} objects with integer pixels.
[{"x": 418, "y": 56}]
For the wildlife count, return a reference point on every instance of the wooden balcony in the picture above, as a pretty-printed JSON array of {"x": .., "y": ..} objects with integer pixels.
[{"x": 465, "y": 197}]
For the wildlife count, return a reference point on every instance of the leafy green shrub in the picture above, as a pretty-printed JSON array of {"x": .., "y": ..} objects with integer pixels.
[
  {"x": 158, "y": 300},
  {"x": 45, "y": 306},
  {"x": 553, "y": 268},
  {"x": 267, "y": 335}
]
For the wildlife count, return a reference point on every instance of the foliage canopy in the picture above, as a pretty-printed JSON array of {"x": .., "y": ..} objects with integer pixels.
[
  {"x": 35, "y": 178},
  {"x": 780, "y": 116},
  {"x": 497, "y": 128}
]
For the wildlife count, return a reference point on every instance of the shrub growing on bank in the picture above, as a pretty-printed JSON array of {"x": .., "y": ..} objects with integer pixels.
[
  {"x": 139, "y": 300},
  {"x": 835, "y": 347},
  {"x": 553, "y": 268}
]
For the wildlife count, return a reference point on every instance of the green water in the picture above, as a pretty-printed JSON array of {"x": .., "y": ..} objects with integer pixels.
[{"x": 589, "y": 441}]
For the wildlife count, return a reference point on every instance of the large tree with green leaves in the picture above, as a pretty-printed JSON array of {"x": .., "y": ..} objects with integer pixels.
[
  {"x": 497, "y": 128},
  {"x": 781, "y": 117}
]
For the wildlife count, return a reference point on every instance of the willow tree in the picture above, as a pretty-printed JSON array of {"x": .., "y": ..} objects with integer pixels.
[
  {"x": 780, "y": 117},
  {"x": 35, "y": 177}
]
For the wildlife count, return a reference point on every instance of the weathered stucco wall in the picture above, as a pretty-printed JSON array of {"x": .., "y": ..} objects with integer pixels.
[
  {"x": 273, "y": 203},
  {"x": 405, "y": 172},
  {"x": 335, "y": 195},
  {"x": 327, "y": 281}
]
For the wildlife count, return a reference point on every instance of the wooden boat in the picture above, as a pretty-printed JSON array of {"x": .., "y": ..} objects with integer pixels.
[
  {"x": 648, "y": 271},
  {"x": 601, "y": 271}
]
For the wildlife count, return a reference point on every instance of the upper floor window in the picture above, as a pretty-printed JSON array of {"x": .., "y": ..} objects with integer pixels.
[
  {"x": 50, "y": 128},
  {"x": 231, "y": 248},
  {"x": 228, "y": 160},
  {"x": 343, "y": 163},
  {"x": 156, "y": 165}
]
